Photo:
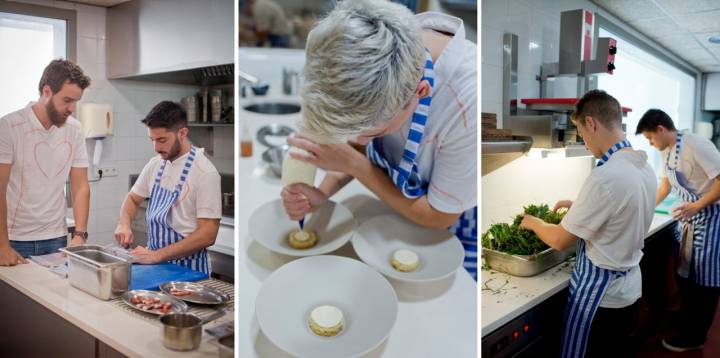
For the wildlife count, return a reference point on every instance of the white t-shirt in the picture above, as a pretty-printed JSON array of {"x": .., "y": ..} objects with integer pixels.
[
  {"x": 447, "y": 156},
  {"x": 699, "y": 163},
  {"x": 200, "y": 197},
  {"x": 40, "y": 160},
  {"x": 269, "y": 16},
  {"x": 613, "y": 213}
]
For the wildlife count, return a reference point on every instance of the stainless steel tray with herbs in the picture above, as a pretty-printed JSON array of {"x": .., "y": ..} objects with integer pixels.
[{"x": 519, "y": 252}]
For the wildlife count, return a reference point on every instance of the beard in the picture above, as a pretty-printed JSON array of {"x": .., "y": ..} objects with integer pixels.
[
  {"x": 173, "y": 153},
  {"x": 56, "y": 118}
]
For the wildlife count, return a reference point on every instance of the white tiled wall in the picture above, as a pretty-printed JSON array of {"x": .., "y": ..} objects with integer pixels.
[
  {"x": 129, "y": 149},
  {"x": 530, "y": 179}
]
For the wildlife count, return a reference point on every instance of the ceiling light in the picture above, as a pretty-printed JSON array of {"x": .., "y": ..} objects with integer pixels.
[{"x": 714, "y": 39}]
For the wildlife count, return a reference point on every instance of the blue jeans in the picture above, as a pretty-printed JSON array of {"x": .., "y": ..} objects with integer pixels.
[{"x": 38, "y": 247}]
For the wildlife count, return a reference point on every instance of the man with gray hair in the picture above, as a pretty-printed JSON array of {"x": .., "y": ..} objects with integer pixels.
[{"x": 404, "y": 87}]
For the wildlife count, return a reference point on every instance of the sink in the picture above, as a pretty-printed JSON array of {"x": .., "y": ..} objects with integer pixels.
[{"x": 273, "y": 108}]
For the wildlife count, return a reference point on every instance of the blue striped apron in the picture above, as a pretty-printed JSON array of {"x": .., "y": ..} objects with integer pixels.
[
  {"x": 406, "y": 177},
  {"x": 160, "y": 233},
  {"x": 701, "y": 261},
  {"x": 588, "y": 284}
]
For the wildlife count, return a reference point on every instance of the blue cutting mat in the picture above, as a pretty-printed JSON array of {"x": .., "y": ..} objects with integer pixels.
[
  {"x": 666, "y": 206},
  {"x": 149, "y": 277}
]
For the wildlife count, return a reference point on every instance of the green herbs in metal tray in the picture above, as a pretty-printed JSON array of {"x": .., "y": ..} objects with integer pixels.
[{"x": 513, "y": 239}]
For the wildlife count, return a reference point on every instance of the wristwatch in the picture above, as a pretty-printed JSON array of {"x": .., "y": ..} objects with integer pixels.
[{"x": 82, "y": 234}]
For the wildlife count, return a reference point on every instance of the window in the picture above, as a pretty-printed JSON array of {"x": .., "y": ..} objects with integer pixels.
[
  {"x": 28, "y": 43},
  {"x": 643, "y": 81}
]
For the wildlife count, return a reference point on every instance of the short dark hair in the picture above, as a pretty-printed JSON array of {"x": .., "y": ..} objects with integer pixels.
[
  {"x": 652, "y": 119},
  {"x": 59, "y": 72},
  {"x": 601, "y": 106},
  {"x": 168, "y": 115}
]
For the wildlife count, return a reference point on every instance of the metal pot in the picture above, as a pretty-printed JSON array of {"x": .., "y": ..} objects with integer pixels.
[{"x": 183, "y": 331}]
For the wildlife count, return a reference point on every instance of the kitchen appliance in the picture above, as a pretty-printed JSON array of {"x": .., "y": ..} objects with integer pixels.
[
  {"x": 183, "y": 331},
  {"x": 96, "y": 120},
  {"x": 190, "y": 104},
  {"x": 290, "y": 81},
  {"x": 97, "y": 271},
  {"x": 216, "y": 105},
  {"x": 536, "y": 333},
  {"x": 582, "y": 56}
]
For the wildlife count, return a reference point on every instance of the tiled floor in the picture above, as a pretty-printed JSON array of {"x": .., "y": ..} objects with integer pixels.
[{"x": 653, "y": 348}]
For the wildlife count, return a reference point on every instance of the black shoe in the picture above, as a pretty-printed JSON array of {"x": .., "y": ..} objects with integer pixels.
[{"x": 680, "y": 344}]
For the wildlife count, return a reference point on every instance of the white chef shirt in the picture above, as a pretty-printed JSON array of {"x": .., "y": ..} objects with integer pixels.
[
  {"x": 699, "y": 163},
  {"x": 200, "y": 196},
  {"x": 269, "y": 16},
  {"x": 40, "y": 162},
  {"x": 447, "y": 156},
  {"x": 613, "y": 213}
]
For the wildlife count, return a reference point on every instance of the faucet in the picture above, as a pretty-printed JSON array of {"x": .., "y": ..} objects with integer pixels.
[
  {"x": 249, "y": 80},
  {"x": 291, "y": 81}
]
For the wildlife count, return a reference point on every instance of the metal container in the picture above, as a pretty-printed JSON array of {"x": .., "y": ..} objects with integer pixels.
[
  {"x": 226, "y": 346},
  {"x": 525, "y": 265},
  {"x": 273, "y": 157},
  {"x": 98, "y": 271},
  {"x": 183, "y": 331}
]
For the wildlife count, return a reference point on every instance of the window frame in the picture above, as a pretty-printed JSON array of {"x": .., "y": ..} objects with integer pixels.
[{"x": 69, "y": 16}]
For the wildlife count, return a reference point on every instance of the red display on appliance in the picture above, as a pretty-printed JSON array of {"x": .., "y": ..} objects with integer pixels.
[{"x": 567, "y": 101}]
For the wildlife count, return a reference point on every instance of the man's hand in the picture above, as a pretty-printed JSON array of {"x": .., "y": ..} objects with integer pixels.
[
  {"x": 124, "y": 235},
  {"x": 562, "y": 204},
  {"x": 144, "y": 255},
  {"x": 530, "y": 222},
  {"x": 10, "y": 257},
  {"x": 76, "y": 240},
  {"x": 686, "y": 211},
  {"x": 340, "y": 157},
  {"x": 301, "y": 199}
]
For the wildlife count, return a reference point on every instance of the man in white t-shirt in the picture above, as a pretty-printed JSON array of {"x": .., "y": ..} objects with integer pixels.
[
  {"x": 41, "y": 146},
  {"x": 183, "y": 187},
  {"x": 691, "y": 167},
  {"x": 404, "y": 87},
  {"x": 609, "y": 221}
]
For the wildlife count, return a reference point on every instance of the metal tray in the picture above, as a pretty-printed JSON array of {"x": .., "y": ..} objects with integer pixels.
[
  {"x": 201, "y": 294},
  {"x": 525, "y": 265},
  {"x": 177, "y": 305}
]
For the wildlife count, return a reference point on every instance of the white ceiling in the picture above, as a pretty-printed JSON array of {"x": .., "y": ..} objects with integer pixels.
[
  {"x": 681, "y": 26},
  {"x": 103, "y": 3}
]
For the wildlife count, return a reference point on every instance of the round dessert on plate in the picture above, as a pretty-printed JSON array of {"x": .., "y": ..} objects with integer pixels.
[
  {"x": 302, "y": 239},
  {"x": 328, "y": 228},
  {"x": 405, "y": 260},
  {"x": 405, "y": 251},
  {"x": 326, "y": 320},
  {"x": 326, "y": 307}
]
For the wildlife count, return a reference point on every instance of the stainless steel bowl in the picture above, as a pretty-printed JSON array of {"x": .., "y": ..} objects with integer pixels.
[
  {"x": 183, "y": 331},
  {"x": 273, "y": 157},
  {"x": 274, "y": 135}
]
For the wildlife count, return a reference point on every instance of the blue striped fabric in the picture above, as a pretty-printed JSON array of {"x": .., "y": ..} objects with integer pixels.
[
  {"x": 588, "y": 284},
  {"x": 160, "y": 234},
  {"x": 614, "y": 148},
  {"x": 407, "y": 178},
  {"x": 705, "y": 260}
]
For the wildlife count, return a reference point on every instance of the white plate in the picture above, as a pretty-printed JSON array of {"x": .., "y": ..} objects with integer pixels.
[
  {"x": 270, "y": 227},
  {"x": 439, "y": 251},
  {"x": 287, "y": 297}
]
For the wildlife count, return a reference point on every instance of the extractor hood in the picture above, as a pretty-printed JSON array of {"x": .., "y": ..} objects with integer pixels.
[
  {"x": 182, "y": 41},
  {"x": 496, "y": 153}
]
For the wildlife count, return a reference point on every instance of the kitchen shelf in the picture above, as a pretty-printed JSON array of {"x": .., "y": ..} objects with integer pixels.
[{"x": 496, "y": 153}]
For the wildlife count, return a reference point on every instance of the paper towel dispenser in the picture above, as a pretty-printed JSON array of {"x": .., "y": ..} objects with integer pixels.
[{"x": 96, "y": 120}]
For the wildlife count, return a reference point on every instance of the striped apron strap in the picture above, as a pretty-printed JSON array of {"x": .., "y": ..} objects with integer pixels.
[
  {"x": 698, "y": 238},
  {"x": 160, "y": 233},
  {"x": 406, "y": 175},
  {"x": 588, "y": 284},
  {"x": 614, "y": 148}
]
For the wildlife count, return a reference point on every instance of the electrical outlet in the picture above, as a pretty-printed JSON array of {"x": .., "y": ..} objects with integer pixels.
[{"x": 109, "y": 171}]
